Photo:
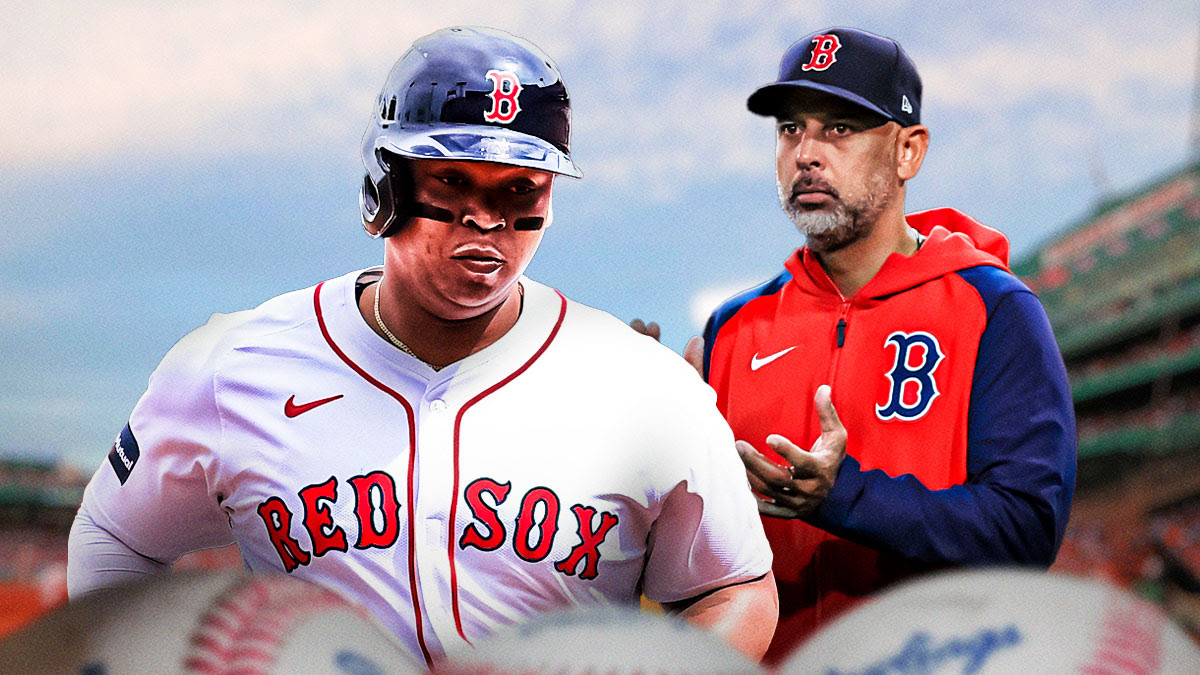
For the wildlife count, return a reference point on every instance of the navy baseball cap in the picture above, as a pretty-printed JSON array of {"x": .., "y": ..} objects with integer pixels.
[{"x": 869, "y": 70}]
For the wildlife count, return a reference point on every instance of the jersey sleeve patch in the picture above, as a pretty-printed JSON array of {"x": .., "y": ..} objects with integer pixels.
[{"x": 124, "y": 454}]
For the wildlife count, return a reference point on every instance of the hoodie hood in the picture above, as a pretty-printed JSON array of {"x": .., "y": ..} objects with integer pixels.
[{"x": 954, "y": 241}]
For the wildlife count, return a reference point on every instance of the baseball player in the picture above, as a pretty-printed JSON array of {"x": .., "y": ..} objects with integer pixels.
[
  {"x": 451, "y": 444},
  {"x": 956, "y": 438}
]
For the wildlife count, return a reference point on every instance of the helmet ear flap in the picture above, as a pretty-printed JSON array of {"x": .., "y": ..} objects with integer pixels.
[
  {"x": 369, "y": 204},
  {"x": 384, "y": 202}
]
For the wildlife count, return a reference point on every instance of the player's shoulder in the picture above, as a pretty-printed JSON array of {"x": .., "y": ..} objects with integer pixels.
[
  {"x": 589, "y": 326},
  {"x": 203, "y": 350},
  {"x": 224, "y": 332},
  {"x": 607, "y": 345},
  {"x": 615, "y": 369}
]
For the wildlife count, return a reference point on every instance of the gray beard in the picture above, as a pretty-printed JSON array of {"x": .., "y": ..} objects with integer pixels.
[{"x": 846, "y": 223}]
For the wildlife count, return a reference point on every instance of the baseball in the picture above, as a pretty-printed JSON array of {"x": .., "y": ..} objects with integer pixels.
[
  {"x": 608, "y": 640},
  {"x": 1000, "y": 621},
  {"x": 206, "y": 623}
]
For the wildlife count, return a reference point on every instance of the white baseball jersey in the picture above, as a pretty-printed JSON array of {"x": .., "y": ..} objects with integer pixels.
[{"x": 571, "y": 462}]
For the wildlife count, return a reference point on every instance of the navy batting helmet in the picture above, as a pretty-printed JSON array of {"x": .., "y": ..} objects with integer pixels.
[{"x": 465, "y": 93}]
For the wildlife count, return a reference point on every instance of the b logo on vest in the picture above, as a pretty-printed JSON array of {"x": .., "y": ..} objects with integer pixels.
[{"x": 912, "y": 388}]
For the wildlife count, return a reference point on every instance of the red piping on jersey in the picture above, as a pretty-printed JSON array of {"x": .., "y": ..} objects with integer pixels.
[
  {"x": 562, "y": 313},
  {"x": 412, "y": 455}
]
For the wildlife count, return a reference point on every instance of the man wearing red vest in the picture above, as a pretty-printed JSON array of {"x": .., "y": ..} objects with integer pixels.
[{"x": 956, "y": 438}]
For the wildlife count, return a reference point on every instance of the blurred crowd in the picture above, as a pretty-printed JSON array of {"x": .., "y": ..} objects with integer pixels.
[
  {"x": 1153, "y": 416},
  {"x": 1158, "y": 558},
  {"x": 1182, "y": 341},
  {"x": 33, "y": 575},
  {"x": 33, "y": 572}
]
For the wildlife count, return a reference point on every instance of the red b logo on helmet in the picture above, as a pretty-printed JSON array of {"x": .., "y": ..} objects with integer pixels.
[
  {"x": 505, "y": 88},
  {"x": 824, "y": 52}
]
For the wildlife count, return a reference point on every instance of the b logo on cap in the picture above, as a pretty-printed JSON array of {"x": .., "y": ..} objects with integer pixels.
[
  {"x": 505, "y": 88},
  {"x": 824, "y": 52}
]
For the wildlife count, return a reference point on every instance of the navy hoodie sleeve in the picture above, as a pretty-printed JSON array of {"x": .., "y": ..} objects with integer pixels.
[
  {"x": 1021, "y": 454},
  {"x": 731, "y": 307}
]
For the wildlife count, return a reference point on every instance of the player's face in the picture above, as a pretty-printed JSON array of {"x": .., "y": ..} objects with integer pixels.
[
  {"x": 836, "y": 166},
  {"x": 461, "y": 269}
]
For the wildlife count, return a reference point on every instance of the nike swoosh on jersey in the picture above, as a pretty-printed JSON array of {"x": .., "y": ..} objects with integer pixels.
[
  {"x": 291, "y": 409},
  {"x": 756, "y": 363}
]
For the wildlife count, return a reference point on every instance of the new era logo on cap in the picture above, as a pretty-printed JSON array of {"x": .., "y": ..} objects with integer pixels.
[{"x": 868, "y": 70}]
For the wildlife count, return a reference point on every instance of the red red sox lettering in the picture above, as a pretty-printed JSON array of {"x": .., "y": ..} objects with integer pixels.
[
  {"x": 586, "y": 551},
  {"x": 377, "y": 512}
]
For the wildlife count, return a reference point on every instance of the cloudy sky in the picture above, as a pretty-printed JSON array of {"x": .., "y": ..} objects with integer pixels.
[{"x": 163, "y": 161}]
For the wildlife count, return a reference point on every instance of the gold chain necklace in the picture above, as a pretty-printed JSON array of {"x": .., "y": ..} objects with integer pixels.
[
  {"x": 392, "y": 338},
  {"x": 405, "y": 348}
]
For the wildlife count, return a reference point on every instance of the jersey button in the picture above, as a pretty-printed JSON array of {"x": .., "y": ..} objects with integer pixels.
[{"x": 437, "y": 405}]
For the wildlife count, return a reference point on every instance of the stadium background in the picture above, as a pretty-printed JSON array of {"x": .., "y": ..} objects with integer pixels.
[{"x": 1122, "y": 289}]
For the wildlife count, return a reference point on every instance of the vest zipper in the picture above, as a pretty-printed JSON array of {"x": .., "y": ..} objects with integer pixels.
[{"x": 839, "y": 341}]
